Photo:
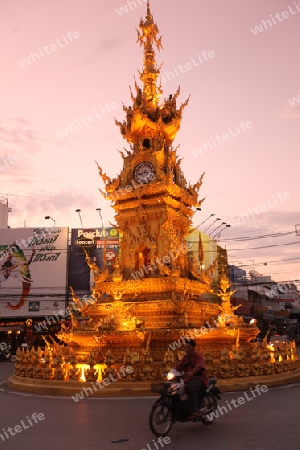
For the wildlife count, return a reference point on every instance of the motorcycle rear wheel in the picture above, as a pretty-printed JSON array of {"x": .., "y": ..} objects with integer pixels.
[
  {"x": 210, "y": 404},
  {"x": 160, "y": 419}
]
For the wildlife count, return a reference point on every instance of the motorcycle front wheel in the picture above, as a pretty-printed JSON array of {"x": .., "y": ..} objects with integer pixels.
[{"x": 160, "y": 419}]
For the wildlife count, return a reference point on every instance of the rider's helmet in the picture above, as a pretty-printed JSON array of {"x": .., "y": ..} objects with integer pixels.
[{"x": 192, "y": 342}]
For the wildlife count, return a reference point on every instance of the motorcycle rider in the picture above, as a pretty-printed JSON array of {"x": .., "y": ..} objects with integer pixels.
[{"x": 195, "y": 378}]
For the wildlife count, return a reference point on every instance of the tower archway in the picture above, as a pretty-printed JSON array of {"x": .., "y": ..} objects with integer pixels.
[{"x": 142, "y": 258}]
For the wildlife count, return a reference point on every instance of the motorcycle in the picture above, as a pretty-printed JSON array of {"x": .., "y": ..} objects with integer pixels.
[{"x": 173, "y": 405}]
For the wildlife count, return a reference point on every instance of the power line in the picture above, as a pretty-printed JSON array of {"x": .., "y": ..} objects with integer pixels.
[
  {"x": 265, "y": 246},
  {"x": 264, "y": 236}
]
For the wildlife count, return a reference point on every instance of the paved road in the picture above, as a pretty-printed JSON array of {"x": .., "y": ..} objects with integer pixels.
[{"x": 268, "y": 422}]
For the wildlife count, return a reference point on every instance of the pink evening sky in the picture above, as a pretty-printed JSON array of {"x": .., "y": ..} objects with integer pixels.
[{"x": 66, "y": 60}]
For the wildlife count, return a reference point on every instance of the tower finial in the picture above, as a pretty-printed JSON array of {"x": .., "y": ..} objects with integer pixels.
[
  {"x": 148, "y": 8},
  {"x": 147, "y": 37}
]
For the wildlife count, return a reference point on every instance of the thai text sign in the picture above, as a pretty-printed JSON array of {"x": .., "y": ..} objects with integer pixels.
[{"x": 33, "y": 274}]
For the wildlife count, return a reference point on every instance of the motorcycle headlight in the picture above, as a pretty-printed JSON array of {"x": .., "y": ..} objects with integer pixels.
[
  {"x": 170, "y": 375},
  {"x": 173, "y": 374}
]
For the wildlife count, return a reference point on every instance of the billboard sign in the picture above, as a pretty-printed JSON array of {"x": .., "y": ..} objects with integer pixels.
[
  {"x": 33, "y": 274},
  {"x": 94, "y": 241}
]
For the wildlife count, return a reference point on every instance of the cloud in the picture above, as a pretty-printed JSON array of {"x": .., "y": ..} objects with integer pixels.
[
  {"x": 61, "y": 204},
  {"x": 17, "y": 133},
  {"x": 291, "y": 112},
  {"x": 269, "y": 222},
  {"x": 19, "y": 143},
  {"x": 270, "y": 237},
  {"x": 107, "y": 45}
]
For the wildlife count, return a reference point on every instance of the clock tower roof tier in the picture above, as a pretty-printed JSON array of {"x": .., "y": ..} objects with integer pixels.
[
  {"x": 163, "y": 122},
  {"x": 153, "y": 195}
]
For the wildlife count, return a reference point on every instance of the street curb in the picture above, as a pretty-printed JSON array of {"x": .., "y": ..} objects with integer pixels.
[{"x": 137, "y": 389}]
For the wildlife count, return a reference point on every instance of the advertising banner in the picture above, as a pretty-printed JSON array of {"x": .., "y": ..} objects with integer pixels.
[
  {"x": 93, "y": 241},
  {"x": 33, "y": 274}
]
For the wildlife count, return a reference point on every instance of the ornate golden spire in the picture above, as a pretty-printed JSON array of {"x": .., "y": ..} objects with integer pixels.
[
  {"x": 147, "y": 38},
  {"x": 146, "y": 118}
]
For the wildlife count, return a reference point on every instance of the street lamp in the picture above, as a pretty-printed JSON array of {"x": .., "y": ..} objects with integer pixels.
[
  {"x": 213, "y": 233},
  {"x": 221, "y": 231},
  {"x": 99, "y": 211},
  {"x": 49, "y": 217},
  {"x": 207, "y": 228},
  {"x": 79, "y": 211},
  {"x": 205, "y": 220}
]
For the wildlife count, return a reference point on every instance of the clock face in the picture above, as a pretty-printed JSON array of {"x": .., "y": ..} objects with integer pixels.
[{"x": 144, "y": 172}]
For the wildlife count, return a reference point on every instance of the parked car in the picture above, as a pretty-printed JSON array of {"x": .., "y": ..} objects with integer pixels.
[{"x": 277, "y": 340}]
